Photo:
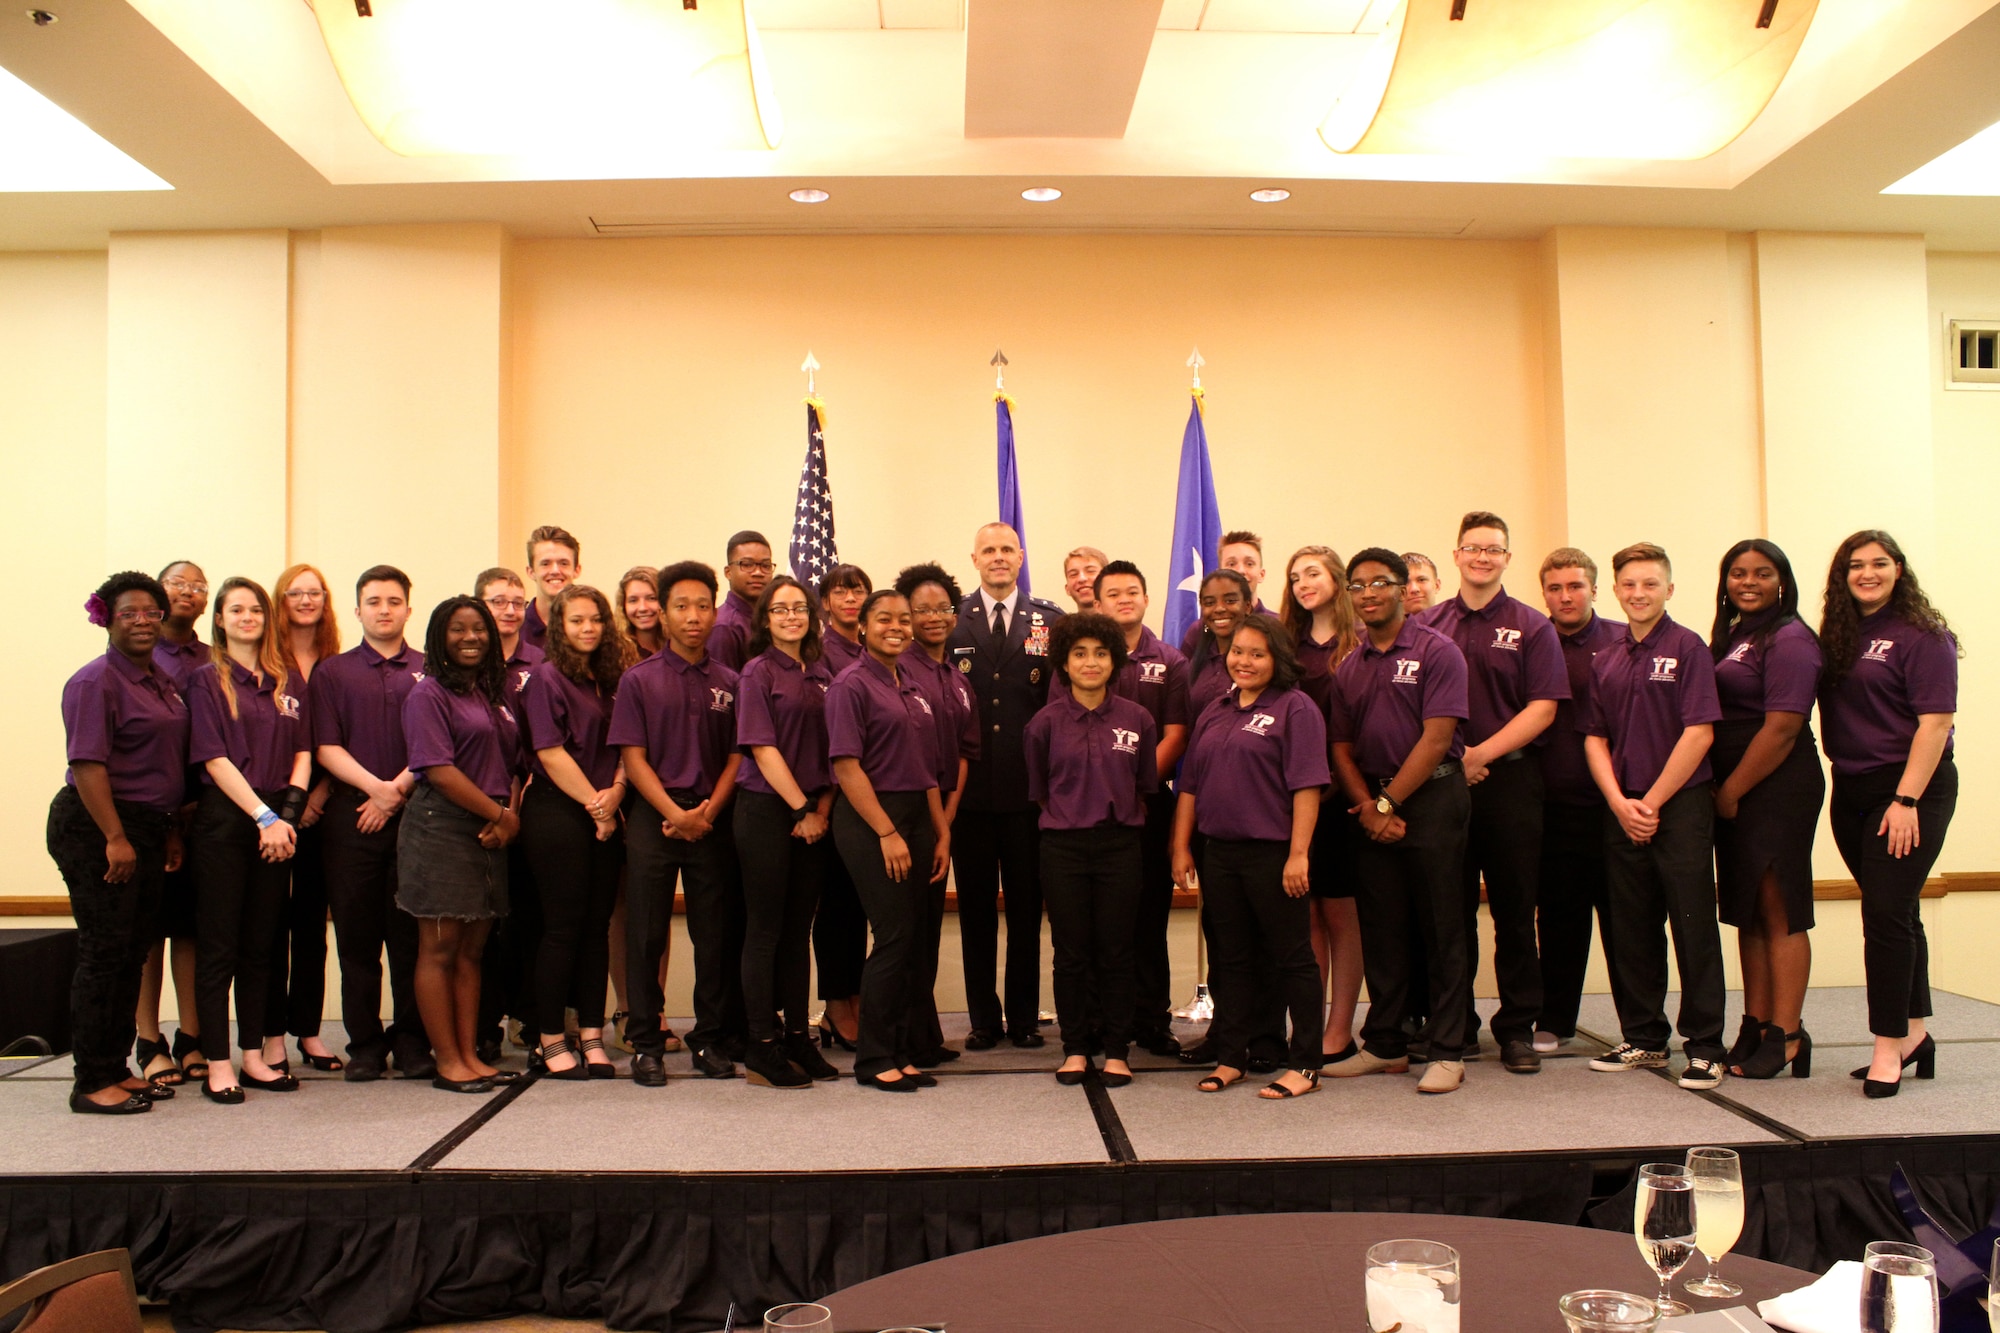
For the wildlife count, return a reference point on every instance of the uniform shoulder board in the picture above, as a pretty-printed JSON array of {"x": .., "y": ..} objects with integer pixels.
[{"x": 1041, "y": 605}]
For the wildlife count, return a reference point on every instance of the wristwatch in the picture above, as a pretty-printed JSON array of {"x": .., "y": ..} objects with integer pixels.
[
  {"x": 1910, "y": 801},
  {"x": 1385, "y": 804}
]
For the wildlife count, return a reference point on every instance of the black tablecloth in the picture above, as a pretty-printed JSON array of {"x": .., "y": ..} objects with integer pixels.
[
  {"x": 1265, "y": 1272},
  {"x": 35, "y": 971}
]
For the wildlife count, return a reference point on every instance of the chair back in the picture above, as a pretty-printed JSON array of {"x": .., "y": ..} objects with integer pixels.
[{"x": 92, "y": 1293}]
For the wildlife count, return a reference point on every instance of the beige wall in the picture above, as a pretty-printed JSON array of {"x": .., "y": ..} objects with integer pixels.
[{"x": 443, "y": 389}]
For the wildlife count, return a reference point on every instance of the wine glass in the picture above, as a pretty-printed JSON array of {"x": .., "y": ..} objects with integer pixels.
[
  {"x": 1663, "y": 1224},
  {"x": 1718, "y": 1213},
  {"x": 1898, "y": 1289},
  {"x": 798, "y": 1317},
  {"x": 1412, "y": 1285}
]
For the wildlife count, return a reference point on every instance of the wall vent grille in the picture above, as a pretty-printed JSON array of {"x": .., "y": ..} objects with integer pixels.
[{"x": 1972, "y": 354}]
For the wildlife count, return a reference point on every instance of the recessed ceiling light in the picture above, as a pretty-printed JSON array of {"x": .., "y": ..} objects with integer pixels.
[
  {"x": 810, "y": 196},
  {"x": 1270, "y": 196},
  {"x": 1041, "y": 194}
]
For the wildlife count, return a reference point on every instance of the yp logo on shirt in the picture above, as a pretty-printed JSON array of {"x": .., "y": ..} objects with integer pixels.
[
  {"x": 1878, "y": 650},
  {"x": 719, "y": 701},
  {"x": 1740, "y": 651},
  {"x": 924, "y": 704},
  {"x": 1127, "y": 742},
  {"x": 1260, "y": 723},
  {"x": 288, "y": 707},
  {"x": 1506, "y": 640},
  {"x": 524, "y": 681},
  {"x": 1666, "y": 669},
  {"x": 1406, "y": 670},
  {"x": 1152, "y": 673}
]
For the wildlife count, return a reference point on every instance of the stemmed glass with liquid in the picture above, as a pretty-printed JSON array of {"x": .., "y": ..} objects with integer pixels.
[
  {"x": 1718, "y": 1214},
  {"x": 1663, "y": 1223},
  {"x": 1898, "y": 1289}
]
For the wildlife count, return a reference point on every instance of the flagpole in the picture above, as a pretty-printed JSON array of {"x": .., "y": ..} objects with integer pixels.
[{"x": 1201, "y": 1006}]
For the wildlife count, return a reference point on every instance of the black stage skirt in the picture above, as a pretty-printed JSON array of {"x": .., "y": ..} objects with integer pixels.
[{"x": 1773, "y": 829}]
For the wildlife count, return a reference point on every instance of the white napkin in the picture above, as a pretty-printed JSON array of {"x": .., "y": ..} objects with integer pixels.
[{"x": 1830, "y": 1305}]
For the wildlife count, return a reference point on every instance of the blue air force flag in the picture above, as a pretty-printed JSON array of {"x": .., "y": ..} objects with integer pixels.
[{"x": 1197, "y": 529}]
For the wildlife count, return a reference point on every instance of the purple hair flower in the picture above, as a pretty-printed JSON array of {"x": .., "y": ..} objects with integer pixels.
[{"x": 100, "y": 614}]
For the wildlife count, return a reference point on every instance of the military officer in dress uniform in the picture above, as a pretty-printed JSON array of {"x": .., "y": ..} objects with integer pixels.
[{"x": 1001, "y": 644}]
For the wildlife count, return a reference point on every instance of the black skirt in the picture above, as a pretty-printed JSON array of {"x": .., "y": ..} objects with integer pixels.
[
  {"x": 1331, "y": 856},
  {"x": 1773, "y": 829}
]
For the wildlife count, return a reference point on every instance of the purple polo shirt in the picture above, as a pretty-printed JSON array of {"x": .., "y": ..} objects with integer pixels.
[
  {"x": 684, "y": 713},
  {"x": 840, "y": 654},
  {"x": 951, "y": 704},
  {"x": 731, "y": 637},
  {"x": 481, "y": 740},
  {"x": 1207, "y": 683},
  {"x": 1780, "y": 677},
  {"x": 1565, "y": 770},
  {"x": 520, "y": 663},
  {"x": 1643, "y": 695},
  {"x": 1250, "y": 760},
  {"x": 782, "y": 703},
  {"x": 181, "y": 660},
  {"x": 1512, "y": 659},
  {"x": 556, "y": 711},
  {"x": 533, "y": 631},
  {"x": 1381, "y": 700},
  {"x": 132, "y": 721},
  {"x": 1091, "y": 766},
  {"x": 1155, "y": 677},
  {"x": 890, "y": 728},
  {"x": 265, "y": 737},
  {"x": 1903, "y": 672},
  {"x": 355, "y": 701}
]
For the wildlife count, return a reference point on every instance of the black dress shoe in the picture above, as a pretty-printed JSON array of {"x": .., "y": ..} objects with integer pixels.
[
  {"x": 1201, "y": 1053},
  {"x": 416, "y": 1062},
  {"x": 920, "y": 1078},
  {"x": 711, "y": 1063},
  {"x": 1069, "y": 1078},
  {"x": 943, "y": 1055},
  {"x": 1029, "y": 1040},
  {"x": 1159, "y": 1043},
  {"x": 981, "y": 1039},
  {"x": 903, "y": 1084},
  {"x": 648, "y": 1070},
  {"x": 1111, "y": 1080},
  {"x": 154, "y": 1092},
  {"x": 1520, "y": 1057},
  {"x": 473, "y": 1085},
  {"x": 363, "y": 1067},
  {"x": 488, "y": 1052},
  {"x": 225, "y": 1097},
  {"x": 134, "y": 1104},
  {"x": 282, "y": 1083}
]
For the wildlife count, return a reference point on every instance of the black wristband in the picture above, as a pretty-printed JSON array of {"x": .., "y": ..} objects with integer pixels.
[
  {"x": 291, "y": 805},
  {"x": 799, "y": 815},
  {"x": 1909, "y": 801}
]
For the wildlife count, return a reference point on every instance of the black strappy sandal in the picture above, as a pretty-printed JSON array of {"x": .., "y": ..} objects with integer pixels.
[
  {"x": 185, "y": 1046},
  {"x": 1216, "y": 1083},
  {"x": 326, "y": 1064},
  {"x": 598, "y": 1068},
  {"x": 1275, "y": 1091},
  {"x": 149, "y": 1051}
]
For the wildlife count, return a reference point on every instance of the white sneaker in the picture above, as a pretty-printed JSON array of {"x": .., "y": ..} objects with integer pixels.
[
  {"x": 1547, "y": 1043},
  {"x": 1626, "y": 1056},
  {"x": 1702, "y": 1074}
]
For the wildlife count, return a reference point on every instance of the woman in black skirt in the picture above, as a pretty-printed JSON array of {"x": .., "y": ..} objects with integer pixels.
[
  {"x": 1887, "y": 701},
  {"x": 451, "y": 851},
  {"x": 111, "y": 833},
  {"x": 888, "y": 824},
  {"x": 1768, "y": 793}
]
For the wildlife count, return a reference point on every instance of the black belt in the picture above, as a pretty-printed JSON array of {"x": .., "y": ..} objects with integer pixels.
[
  {"x": 1510, "y": 757},
  {"x": 1444, "y": 770}
]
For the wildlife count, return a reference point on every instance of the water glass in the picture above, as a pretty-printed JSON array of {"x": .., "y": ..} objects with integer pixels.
[
  {"x": 1898, "y": 1289},
  {"x": 1412, "y": 1286},
  {"x": 1663, "y": 1224},
  {"x": 1718, "y": 1214},
  {"x": 798, "y": 1317},
  {"x": 1608, "y": 1312}
]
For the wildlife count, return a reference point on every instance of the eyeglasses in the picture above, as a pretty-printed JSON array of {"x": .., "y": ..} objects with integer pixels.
[
  {"x": 789, "y": 610},
  {"x": 1482, "y": 550},
  {"x": 1376, "y": 585},
  {"x": 934, "y": 612},
  {"x": 502, "y": 603},
  {"x": 150, "y": 616},
  {"x": 755, "y": 566},
  {"x": 184, "y": 585},
  {"x": 305, "y": 595}
]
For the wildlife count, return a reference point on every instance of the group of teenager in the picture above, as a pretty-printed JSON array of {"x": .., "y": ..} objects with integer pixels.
[{"x": 510, "y": 814}]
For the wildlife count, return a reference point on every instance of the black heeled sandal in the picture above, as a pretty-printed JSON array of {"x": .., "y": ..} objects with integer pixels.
[
  {"x": 325, "y": 1064},
  {"x": 149, "y": 1051},
  {"x": 1769, "y": 1059},
  {"x": 1749, "y": 1040},
  {"x": 185, "y": 1046},
  {"x": 829, "y": 1037},
  {"x": 538, "y": 1059},
  {"x": 597, "y": 1068}
]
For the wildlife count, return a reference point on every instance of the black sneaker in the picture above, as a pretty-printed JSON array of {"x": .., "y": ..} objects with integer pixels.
[
  {"x": 1701, "y": 1074},
  {"x": 1626, "y": 1056}
]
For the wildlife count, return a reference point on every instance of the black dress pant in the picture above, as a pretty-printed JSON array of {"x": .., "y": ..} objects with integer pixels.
[
  {"x": 781, "y": 879},
  {"x": 1503, "y": 849},
  {"x": 840, "y": 934},
  {"x": 1091, "y": 881},
  {"x": 926, "y": 1031},
  {"x": 1573, "y": 886},
  {"x": 297, "y": 974},
  {"x": 115, "y": 928},
  {"x": 240, "y": 905},
  {"x": 706, "y": 874},
  {"x": 574, "y": 878},
  {"x": 1667, "y": 886},
  {"x": 1265, "y": 1013},
  {"x": 1152, "y": 970},
  {"x": 991, "y": 850},
  {"x": 1895, "y": 952},
  {"x": 1412, "y": 890},
  {"x": 896, "y": 913},
  {"x": 361, "y": 891},
  {"x": 1259, "y": 930}
]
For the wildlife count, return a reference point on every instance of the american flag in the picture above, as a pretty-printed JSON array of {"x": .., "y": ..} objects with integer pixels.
[{"x": 813, "y": 549}]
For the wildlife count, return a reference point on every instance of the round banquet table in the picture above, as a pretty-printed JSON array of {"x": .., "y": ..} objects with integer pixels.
[{"x": 1264, "y": 1272}]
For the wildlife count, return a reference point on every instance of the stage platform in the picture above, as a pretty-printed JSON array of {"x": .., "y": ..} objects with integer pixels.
[{"x": 653, "y": 1208}]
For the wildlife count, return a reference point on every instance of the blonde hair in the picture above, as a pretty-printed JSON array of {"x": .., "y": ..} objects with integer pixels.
[{"x": 270, "y": 652}]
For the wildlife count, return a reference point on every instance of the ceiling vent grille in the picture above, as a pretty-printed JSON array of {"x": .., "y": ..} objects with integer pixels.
[{"x": 1972, "y": 354}]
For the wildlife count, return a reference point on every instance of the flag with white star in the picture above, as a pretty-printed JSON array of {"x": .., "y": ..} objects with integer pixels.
[
  {"x": 813, "y": 550},
  {"x": 1197, "y": 529}
]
